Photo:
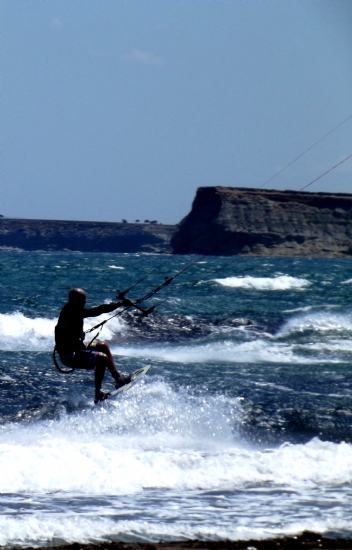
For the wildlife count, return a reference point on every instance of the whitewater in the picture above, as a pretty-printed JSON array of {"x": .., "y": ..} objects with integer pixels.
[{"x": 241, "y": 430}]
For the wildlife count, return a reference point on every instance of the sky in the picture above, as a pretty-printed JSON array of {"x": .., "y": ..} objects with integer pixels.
[{"x": 121, "y": 109}]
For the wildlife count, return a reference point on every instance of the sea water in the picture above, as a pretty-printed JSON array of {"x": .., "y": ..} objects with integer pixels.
[{"x": 242, "y": 429}]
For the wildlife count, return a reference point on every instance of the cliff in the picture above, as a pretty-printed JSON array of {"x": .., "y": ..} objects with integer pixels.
[
  {"x": 246, "y": 221},
  {"x": 222, "y": 221},
  {"x": 84, "y": 236}
]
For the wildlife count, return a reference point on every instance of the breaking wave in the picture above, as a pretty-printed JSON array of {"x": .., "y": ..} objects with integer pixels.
[{"x": 281, "y": 282}]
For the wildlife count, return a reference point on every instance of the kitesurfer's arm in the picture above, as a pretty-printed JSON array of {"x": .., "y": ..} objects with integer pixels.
[{"x": 106, "y": 308}]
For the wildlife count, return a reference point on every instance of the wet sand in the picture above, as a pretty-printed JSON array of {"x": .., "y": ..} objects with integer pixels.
[{"x": 306, "y": 541}]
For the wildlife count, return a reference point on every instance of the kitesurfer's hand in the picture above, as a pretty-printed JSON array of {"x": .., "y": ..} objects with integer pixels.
[{"x": 126, "y": 302}]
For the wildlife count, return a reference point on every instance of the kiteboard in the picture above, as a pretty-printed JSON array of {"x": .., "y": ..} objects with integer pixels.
[{"x": 136, "y": 375}]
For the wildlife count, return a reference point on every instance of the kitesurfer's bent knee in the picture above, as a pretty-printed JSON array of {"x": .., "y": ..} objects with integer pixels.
[{"x": 101, "y": 347}]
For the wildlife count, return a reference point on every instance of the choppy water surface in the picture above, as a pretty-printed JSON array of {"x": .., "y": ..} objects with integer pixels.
[{"x": 242, "y": 429}]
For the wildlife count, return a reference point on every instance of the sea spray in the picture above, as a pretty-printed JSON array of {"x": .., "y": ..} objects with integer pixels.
[{"x": 239, "y": 430}]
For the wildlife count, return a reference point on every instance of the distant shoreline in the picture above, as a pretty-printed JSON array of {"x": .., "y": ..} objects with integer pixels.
[
  {"x": 83, "y": 236},
  {"x": 306, "y": 541}
]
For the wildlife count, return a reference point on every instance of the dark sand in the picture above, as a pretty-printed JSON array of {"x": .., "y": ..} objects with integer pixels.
[{"x": 306, "y": 541}]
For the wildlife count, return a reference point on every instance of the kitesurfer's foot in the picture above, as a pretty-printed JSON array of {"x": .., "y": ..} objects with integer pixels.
[
  {"x": 123, "y": 379},
  {"x": 101, "y": 396}
]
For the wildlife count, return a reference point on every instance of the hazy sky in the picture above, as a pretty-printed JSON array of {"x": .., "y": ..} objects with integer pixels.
[{"x": 116, "y": 109}]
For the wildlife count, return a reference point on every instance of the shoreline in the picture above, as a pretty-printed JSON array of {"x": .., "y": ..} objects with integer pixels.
[
  {"x": 307, "y": 540},
  {"x": 83, "y": 236}
]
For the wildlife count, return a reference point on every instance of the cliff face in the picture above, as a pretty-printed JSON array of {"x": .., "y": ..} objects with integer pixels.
[
  {"x": 84, "y": 236},
  {"x": 246, "y": 221}
]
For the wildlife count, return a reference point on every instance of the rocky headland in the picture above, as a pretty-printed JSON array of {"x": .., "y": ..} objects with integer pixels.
[
  {"x": 31, "y": 234},
  {"x": 257, "y": 222},
  {"x": 223, "y": 221}
]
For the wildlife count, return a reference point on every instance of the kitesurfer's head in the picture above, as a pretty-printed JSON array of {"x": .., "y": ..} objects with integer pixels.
[{"x": 77, "y": 297}]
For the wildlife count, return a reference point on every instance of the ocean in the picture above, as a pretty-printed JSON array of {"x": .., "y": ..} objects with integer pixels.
[{"x": 241, "y": 430}]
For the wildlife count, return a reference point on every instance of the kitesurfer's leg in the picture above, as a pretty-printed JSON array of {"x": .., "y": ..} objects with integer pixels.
[
  {"x": 90, "y": 359},
  {"x": 98, "y": 378},
  {"x": 119, "y": 377}
]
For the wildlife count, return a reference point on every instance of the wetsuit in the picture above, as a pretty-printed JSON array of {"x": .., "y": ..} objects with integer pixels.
[{"x": 69, "y": 335}]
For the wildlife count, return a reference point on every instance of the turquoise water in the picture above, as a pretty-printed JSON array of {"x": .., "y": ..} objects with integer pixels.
[{"x": 242, "y": 429}]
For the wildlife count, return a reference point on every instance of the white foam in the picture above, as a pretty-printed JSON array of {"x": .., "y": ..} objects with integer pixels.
[
  {"x": 332, "y": 346},
  {"x": 157, "y": 438},
  {"x": 116, "y": 325},
  {"x": 21, "y": 333},
  {"x": 7, "y": 378},
  {"x": 281, "y": 282},
  {"x": 48, "y": 528},
  {"x": 299, "y": 309},
  {"x": 25, "y": 529},
  {"x": 18, "y": 332},
  {"x": 154, "y": 438},
  {"x": 313, "y": 464},
  {"x": 116, "y": 267},
  {"x": 168, "y": 443},
  {"x": 217, "y": 352},
  {"x": 320, "y": 322}
]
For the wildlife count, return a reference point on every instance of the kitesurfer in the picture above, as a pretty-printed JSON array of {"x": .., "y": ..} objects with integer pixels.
[{"x": 73, "y": 352}]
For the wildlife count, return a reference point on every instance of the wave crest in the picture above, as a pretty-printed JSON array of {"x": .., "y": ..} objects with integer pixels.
[{"x": 281, "y": 282}]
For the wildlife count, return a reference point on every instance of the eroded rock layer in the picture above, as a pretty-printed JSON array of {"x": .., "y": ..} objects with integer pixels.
[
  {"x": 246, "y": 221},
  {"x": 84, "y": 236}
]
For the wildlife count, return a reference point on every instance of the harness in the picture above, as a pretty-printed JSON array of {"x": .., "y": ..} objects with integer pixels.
[{"x": 60, "y": 369}]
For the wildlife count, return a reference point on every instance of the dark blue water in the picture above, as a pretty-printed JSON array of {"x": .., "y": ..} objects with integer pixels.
[{"x": 242, "y": 428}]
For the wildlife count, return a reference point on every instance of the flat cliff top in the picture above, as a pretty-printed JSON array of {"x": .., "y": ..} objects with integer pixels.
[
  {"x": 288, "y": 193},
  {"x": 253, "y": 195},
  {"x": 77, "y": 225}
]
